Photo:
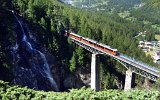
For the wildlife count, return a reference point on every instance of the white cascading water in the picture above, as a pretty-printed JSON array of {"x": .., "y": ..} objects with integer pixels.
[{"x": 42, "y": 66}]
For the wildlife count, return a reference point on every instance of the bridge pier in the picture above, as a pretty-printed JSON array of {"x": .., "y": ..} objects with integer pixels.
[
  {"x": 95, "y": 72},
  {"x": 128, "y": 80}
]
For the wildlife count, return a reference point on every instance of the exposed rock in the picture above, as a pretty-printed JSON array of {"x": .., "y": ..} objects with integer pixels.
[
  {"x": 72, "y": 81},
  {"x": 84, "y": 75},
  {"x": 31, "y": 66},
  {"x": 147, "y": 84},
  {"x": 28, "y": 81},
  {"x": 55, "y": 70},
  {"x": 80, "y": 78}
]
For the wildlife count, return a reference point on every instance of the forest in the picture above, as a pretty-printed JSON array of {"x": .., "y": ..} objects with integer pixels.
[{"x": 48, "y": 19}]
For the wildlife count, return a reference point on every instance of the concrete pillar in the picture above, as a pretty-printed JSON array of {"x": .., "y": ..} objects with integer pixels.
[
  {"x": 95, "y": 73},
  {"x": 128, "y": 80}
]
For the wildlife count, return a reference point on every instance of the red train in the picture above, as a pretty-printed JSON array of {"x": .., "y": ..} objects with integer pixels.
[{"x": 93, "y": 43}]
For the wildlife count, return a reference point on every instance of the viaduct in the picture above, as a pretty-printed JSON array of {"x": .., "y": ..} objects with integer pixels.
[{"x": 132, "y": 65}]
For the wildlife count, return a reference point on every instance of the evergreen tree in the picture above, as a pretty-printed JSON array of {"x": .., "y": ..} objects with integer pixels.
[
  {"x": 52, "y": 26},
  {"x": 30, "y": 10},
  {"x": 108, "y": 28},
  {"x": 80, "y": 54},
  {"x": 73, "y": 62},
  {"x": 43, "y": 23}
]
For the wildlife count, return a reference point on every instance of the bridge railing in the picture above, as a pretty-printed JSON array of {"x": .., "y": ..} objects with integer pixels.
[
  {"x": 140, "y": 63},
  {"x": 130, "y": 60}
]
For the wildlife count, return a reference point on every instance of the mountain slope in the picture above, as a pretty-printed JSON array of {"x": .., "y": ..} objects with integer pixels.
[
  {"x": 104, "y": 4},
  {"x": 149, "y": 12},
  {"x": 152, "y": 3},
  {"x": 48, "y": 20},
  {"x": 107, "y": 28}
]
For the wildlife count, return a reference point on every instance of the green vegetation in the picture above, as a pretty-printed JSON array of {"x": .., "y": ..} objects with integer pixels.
[
  {"x": 149, "y": 12},
  {"x": 48, "y": 19},
  {"x": 153, "y": 3},
  {"x": 17, "y": 93},
  {"x": 107, "y": 5}
]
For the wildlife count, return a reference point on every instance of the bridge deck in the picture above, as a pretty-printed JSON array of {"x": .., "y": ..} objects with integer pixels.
[{"x": 138, "y": 66}]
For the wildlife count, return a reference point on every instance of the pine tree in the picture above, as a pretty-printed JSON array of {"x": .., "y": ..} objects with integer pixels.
[
  {"x": 52, "y": 26},
  {"x": 43, "y": 23},
  {"x": 30, "y": 10},
  {"x": 81, "y": 54},
  {"x": 73, "y": 63}
]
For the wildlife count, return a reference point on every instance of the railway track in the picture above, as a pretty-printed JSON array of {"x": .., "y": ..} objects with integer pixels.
[{"x": 136, "y": 66}]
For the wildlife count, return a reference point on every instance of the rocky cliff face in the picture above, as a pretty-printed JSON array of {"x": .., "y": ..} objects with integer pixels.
[
  {"x": 80, "y": 78},
  {"x": 31, "y": 64}
]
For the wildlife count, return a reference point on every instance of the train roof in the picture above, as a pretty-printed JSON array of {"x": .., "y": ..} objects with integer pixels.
[
  {"x": 75, "y": 34},
  {"x": 106, "y": 46}
]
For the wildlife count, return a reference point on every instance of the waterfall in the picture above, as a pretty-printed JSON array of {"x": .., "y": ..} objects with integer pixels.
[{"x": 31, "y": 62}]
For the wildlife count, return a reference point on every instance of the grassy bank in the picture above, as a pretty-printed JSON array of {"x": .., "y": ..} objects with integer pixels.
[{"x": 17, "y": 93}]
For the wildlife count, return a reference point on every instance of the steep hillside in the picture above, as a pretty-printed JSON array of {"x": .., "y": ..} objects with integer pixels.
[
  {"x": 119, "y": 5},
  {"x": 139, "y": 10},
  {"x": 6, "y": 35},
  {"x": 152, "y": 4},
  {"x": 149, "y": 13},
  {"x": 44, "y": 22}
]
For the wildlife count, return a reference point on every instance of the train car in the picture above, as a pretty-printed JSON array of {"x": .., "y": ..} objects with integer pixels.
[
  {"x": 73, "y": 35},
  {"x": 93, "y": 43},
  {"x": 102, "y": 47},
  {"x": 109, "y": 49}
]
